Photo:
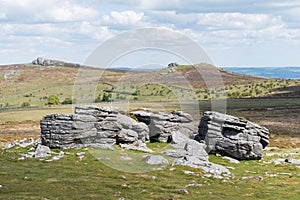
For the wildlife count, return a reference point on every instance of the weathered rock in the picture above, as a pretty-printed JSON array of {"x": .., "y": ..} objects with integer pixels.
[
  {"x": 232, "y": 136},
  {"x": 42, "y": 151},
  {"x": 80, "y": 154},
  {"x": 26, "y": 142},
  {"x": 10, "y": 145},
  {"x": 218, "y": 171},
  {"x": 156, "y": 160},
  {"x": 138, "y": 146},
  {"x": 175, "y": 153},
  {"x": 231, "y": 160},
  {"x": 91, "y": 126},
  {"x": 191, "y": 147},
  {"x": 161, "y": 125},
  {"x": 132, "y": 130},
  {"x": 127, "y": 136},
  {"x": 292, "y": 161}
]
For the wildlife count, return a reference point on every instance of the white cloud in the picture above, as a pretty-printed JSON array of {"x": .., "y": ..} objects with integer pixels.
[
  {"x": 129, "y": 17},
  {"x": 46, "y": 11},
  {"x": 238, "y": 20},
  {"x": 96, "y": 31},
  {"x": 69, "y": 29}
]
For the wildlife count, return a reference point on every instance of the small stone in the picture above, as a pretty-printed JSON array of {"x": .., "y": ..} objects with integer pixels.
[
  {"x": 188, "y": 172},
  {"x": 125, "y": 185},
  {"x": 271, "y": 148},
  {"x": 125, "y": 158},
  {"x": 292, "y": 161},
  {"x": 80, "y": 154},
  {"x": 184, "y": 191},
  {"x": 156, "y": 160},
  {"x": 193, "y": 185},
  {"x": 231, "y": 160},
  {"x": 42, "y": 151}
]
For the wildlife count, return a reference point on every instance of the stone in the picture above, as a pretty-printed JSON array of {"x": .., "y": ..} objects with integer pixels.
[
  {"x": 78, "y": 154},
  {"x": 26, "y": 142},
  {"x": 194, "y": 148},
  {"x": 125, "y": 121},
  {"x": 162, "y": 125},
  {"x": 125, "y": 158},
  {"x": 10, "y": 145},
  {"x": 193, "y": 185},
  {"x": 217, "y": 171},
  {"x": 138, "y": 146},
  {"x": 142, "y": 131},
  {"x": 42, "y": 151},
  {"x": 175, "y": 153},
  {"x": 292, "y": 161},
  {"x": 183, "y": 117},
  {"x": 127, "y": 136},
  {"x": 184, "y": 191},
  {"x": 231, "y": 136},
  {"x": 91, "y": 126},
  {"x": 231, "y": 160},
  {"x": 156, "y": 160}
]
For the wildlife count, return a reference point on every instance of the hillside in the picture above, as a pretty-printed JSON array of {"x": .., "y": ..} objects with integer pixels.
[{"x": 34, "y": 84}]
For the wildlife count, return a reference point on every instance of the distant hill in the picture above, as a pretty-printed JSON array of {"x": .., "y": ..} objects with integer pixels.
[{"x": 34, "y": 83}]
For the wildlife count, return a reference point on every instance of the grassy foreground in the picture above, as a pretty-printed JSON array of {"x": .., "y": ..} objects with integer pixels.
[{"x": 72, "y": 178}]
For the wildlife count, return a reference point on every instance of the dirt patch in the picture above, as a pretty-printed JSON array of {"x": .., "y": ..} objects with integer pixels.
[{"x": 20, "y": 129}]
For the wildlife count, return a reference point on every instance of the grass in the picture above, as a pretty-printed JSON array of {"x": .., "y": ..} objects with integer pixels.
[
  {"x": 29, "y": 85},
  {"x": 72, "y": 178}
]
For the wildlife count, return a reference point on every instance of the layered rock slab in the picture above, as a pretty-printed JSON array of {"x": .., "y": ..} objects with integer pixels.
[
  {"x": 232, "y": 136},
  {"x": 90, "y": 126},
  {"x": 162, "y": 125}
]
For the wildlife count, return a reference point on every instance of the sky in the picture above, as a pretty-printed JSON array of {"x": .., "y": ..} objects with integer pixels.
[{"x": 232, "y": 32}]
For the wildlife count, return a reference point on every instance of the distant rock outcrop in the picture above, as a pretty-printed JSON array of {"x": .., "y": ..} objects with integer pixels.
[
  {"x": 46, "y": 62},
  {"x": 232, "y": 136}
]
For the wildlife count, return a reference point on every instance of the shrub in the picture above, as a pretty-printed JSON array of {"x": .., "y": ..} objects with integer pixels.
[
  {"x": 103, "y": 98},
  {"x": 68, "y": 101},
  {"x": 53, "y": 100},
  {"x": 25, "y": 104}
]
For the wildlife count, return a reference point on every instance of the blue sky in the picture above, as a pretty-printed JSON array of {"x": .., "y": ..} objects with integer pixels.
[{"x": 232, "y": 32}]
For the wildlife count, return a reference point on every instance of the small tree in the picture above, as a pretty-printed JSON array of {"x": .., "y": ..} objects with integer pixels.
[{"x": 53, "y": 100}]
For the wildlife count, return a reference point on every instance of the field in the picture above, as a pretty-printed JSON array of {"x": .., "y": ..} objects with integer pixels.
[{"x": 269, "y": 102}]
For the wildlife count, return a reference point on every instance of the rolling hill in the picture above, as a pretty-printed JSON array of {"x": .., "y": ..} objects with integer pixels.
[{"x": 34, "y": 84}]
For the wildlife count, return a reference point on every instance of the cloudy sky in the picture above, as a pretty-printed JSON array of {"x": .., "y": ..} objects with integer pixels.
[{"x": 232, "y": 32}]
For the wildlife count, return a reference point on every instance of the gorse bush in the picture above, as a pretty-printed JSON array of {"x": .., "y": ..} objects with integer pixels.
[{"x": 53, "y": 100}]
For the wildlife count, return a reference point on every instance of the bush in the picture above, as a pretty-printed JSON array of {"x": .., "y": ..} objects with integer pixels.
[
  {"x": 68, "y": 101},
  {"x": 25, "y": 104},
  {"x": 103, "y": 98},
  {"x": 53, "y": 100}
]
